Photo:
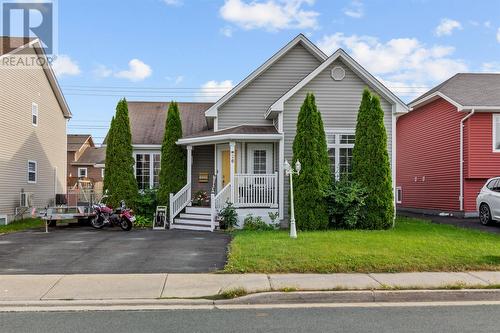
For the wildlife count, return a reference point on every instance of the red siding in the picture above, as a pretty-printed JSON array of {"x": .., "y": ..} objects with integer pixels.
[
  {"x": 428, "y": 150},
  {"x": 481, "y": 162}
]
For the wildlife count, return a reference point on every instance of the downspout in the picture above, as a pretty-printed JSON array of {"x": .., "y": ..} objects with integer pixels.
[{"x": 462, "y": 158}]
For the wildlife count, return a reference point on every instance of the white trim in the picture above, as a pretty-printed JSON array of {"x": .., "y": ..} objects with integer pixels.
[
  {"x": 28, "y": 172},
  {"x": 337, "y": 145},
  {"x": 279, "y": 105},
  {"x": 153, "y": 147},
  {"x": 281, "y": 177},
  {"x": 461, "y": 197},
  {"x": 229, "y": 137},
  {"x": 34, "y": 113},
  {"x": 432, "y": 97},
  {"x": 86, "y": 172},
  {"x": 151, "y": 165},
  {"x": 399, "y": 195},
  {"x": 394, "y": 119},
  {"x": 315, "y": 51},
  {"x": 102, "y": 173},
  {"x": 496, "y": 121}
]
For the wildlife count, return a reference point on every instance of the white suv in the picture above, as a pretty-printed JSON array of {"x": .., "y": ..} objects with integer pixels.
[{"x": 488, "y": 201}]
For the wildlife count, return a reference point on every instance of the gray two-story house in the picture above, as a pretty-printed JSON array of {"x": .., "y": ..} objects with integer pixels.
[{"x": 238, "y": 146}]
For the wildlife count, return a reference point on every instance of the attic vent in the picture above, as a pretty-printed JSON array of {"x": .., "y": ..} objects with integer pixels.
[{"x": 338, "y": 73}]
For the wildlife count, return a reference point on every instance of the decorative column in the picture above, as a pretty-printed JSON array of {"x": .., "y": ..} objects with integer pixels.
[
  {"x": 232, "y": 157},
  {"x": 189, "y": 168}
]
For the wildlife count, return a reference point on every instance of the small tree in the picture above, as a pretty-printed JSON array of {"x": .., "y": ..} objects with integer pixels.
[
  {"x": 173, "y": 157},
  {"x": 119, "y": 171},
  {"x": 309, "y": 147},
  {"x": 370, "y": 164}
]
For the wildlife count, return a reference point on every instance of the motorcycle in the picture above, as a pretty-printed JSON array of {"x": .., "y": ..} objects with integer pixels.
[{"x": 107, "y": 216}]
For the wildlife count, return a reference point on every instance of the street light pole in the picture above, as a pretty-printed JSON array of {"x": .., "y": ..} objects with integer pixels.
[{"x": 289, "y": 170}]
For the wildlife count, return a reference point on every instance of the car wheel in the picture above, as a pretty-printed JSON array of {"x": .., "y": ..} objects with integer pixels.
[{"x": 485, "y": 215}]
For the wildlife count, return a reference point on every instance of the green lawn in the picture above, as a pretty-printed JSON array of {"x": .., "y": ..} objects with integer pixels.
[
  {"x": 21, "y": 225},
  {"x": 414, "y": 245}
]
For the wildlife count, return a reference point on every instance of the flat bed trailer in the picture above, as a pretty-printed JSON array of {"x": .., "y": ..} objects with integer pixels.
[{"x": 53, "y": 214}]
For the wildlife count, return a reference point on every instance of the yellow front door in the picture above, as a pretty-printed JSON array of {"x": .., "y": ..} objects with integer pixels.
[{"x": 226, "y": 162}]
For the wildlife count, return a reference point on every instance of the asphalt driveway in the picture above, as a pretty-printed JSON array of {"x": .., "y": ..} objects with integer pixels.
[{"x": 83, "y": 250}]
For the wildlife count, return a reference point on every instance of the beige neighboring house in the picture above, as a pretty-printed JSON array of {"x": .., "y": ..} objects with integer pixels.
[
  {"x": 33, "y": 118},
  {"x": 85, "y": 161}
]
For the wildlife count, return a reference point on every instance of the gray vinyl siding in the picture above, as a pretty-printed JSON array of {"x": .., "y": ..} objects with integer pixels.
[
  {"x": 21, "y": 141},
  {"x": 203, "y": 161},
  {"x": 251, "y": 103},
  {"x": 338, "y": 102}
]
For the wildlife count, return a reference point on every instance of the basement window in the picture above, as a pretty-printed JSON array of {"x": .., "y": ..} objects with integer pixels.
[{"x": 496, "y": 133}]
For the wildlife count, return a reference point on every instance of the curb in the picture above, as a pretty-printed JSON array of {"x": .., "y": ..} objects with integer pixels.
[{"x": 274, "y": 299}]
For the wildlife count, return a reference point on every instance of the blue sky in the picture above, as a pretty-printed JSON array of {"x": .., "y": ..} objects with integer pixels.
[{"x": 194, "y": 50}]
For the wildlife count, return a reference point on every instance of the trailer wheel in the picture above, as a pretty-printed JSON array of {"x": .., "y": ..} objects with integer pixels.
[{"x": 52, "y": 223}]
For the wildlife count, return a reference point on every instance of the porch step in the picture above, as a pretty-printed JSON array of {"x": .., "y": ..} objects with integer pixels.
[
  {"x": 195, "y": 216},
  {"x": 198, "y": 210},
  {"x": 184, "y": 226},
  {"x": 203, "y": 223}
]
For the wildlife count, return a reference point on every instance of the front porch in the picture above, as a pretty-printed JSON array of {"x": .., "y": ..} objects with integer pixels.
[{"x": 245, "y": 172}]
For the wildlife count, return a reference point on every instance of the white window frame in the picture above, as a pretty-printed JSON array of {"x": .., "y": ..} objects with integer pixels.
[
  {"x": 34, "y": 113},
  {"x": 86, "y": 172},
  {"x": 268, "y": 147},
  {"x": 496, "y": 135},
  {"x": 102, "y": 173},
  {"x": 36, "y": 172},
  {"x": 151, "y": 165},
  {"x": 337, "y": 145},
  {"x": 399, "y": 194}
]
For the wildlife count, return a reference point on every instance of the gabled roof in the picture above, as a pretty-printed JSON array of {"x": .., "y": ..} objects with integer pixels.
[
  {"x": 76, "y": 141},
  {"x": 7, "y": 43},
  {"x": 147, "y": 120},
  {"x": 401, "y": 107},
  {"x": 303, "y": 40},
  {"x": 466, "y": 91},
  {"x": 247, "y": 132}
]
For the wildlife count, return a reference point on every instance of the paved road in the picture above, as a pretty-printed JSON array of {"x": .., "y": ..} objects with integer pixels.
[
  {"x": 469, "y": 223},
  {"x": 83, "y": 250},
  {"x": 475, "y": 319}
]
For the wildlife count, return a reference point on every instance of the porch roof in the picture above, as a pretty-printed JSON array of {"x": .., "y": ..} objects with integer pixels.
[{"x": 243, "y": 132}]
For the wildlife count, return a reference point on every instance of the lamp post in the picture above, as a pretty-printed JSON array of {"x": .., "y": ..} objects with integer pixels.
[{"x": 290, "y": 172}]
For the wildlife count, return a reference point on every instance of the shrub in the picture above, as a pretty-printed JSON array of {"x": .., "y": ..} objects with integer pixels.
[
  {"x": 119, "y": 177},
  {"x": 309, "y": 147},
  {"x": 273, "y": 217},
  {"x": 173, "y": 157},
  {"x": 201, "y": 198},
  {"x": 143, "y": 222},
  {"x": 228, "y": 217},
  {"x": 370, "y": 164},
  {"x": 146, "y": 203},
  {"x": 256, "y": 224},
  {"x": 345, "y": 200}
]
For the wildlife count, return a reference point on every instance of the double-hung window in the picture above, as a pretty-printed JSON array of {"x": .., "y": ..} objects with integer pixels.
[
  {"x": 82, "y": 172},
  {"x": 496, "y": 133},
  {"x": 34, "y": 114},
  {"x": 340, "y": 147},
  {"x": 147, "y": 170},
  {"x": 32, "y": 172}
]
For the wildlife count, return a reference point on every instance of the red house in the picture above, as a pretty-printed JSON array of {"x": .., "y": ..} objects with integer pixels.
[{"x": 448, "y": 145}]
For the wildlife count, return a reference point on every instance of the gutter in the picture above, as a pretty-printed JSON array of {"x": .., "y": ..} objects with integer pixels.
[{"x": 461, "y": 198}]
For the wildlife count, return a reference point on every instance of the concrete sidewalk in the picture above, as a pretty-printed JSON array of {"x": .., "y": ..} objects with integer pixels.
[{"x": 16, "y": 288}]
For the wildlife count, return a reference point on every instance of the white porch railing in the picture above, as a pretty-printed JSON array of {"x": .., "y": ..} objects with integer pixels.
[
  {"x": 252, "y": 190},
  {"x": 179, "y": 201},
  {"x": 217, "y": 202}
]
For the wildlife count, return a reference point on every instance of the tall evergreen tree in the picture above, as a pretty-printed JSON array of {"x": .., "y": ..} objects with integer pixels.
[
  {"x": 119, "y": 172},
  {"x": 173, "y": 157},
  {"x": 310, "y": 148},
  {"x": 370, "y": 164}
]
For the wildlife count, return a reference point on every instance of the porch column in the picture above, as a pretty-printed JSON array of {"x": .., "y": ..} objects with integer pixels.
[
  {"x": 232, "y": 157},
  {"x": 281, "y": 178},
  {"x": 189, "y": 165}
]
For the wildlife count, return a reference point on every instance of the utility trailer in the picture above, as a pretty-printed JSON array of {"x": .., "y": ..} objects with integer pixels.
[{"x": 51, "y": 215}]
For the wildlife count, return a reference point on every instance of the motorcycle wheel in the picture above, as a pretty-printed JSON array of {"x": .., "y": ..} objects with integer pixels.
[
  {"x": 97, "y": 222},
  {"x": 126, "y": 225}
]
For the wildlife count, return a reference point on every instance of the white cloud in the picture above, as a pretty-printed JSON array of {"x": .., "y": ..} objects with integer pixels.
[
  {"x": 487, "y": 24},
  {"x": 227, "y": 31},
  {"x": 173, "y": 2},
  {"x": 213, "y": 90},
  {"x": 491, "y": 67},
  {"x": 271, "y": 15},
  {"x": 137, "y": 71},
  {"x": 64, "y": 65},
  {"x": 102, "y": 71},
  {"x": 355, "y": 9},
  {"x": 403, "y": 62},
  {"x": 446, "y": 27},
  {"x": 498, "y": 35}
]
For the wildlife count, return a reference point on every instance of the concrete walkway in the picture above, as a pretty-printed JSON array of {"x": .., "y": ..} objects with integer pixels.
[{"x": 154, "y": 286}]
